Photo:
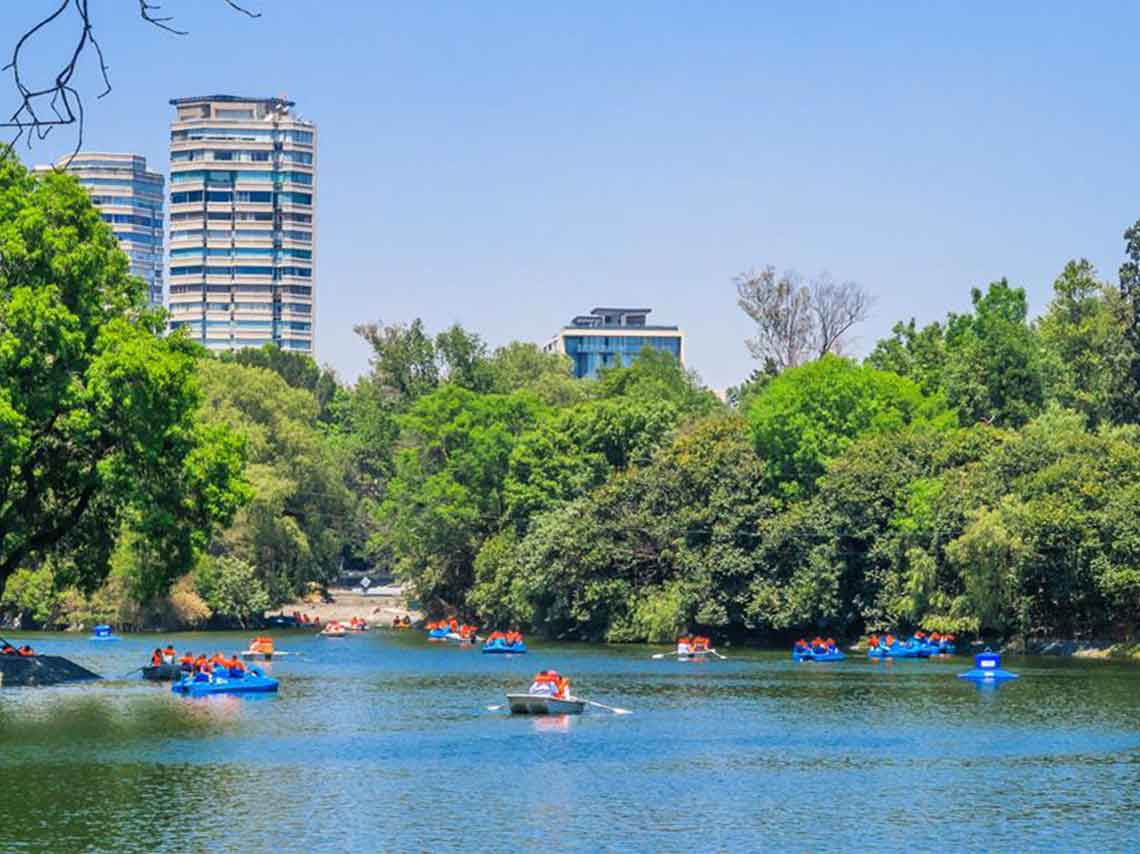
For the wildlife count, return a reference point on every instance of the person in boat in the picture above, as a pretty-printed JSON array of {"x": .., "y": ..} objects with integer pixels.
[
  {"x": 168, "y": 654},
  {"x": 26, "y": 651},
  {"x": 873, "y": 642},
  {"x": 551, "y": 683},
  {"x": 186, "y": 662},
  {"x": 683, "y": 646},
  {"x": 891, "y": 640},
  {"x": 156, "y": 658},
  {"x": 700, "y": 644},
  {"x": 8, "y": 649},
  {"x": 407, "y": 621},
  {"x": 395, "y": 622},
  {"x": 831, "y": 645},
  {"x": 235, "y": 666}
]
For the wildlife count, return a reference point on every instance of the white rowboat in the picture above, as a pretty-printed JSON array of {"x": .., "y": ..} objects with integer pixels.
[{"x": 540, "y": 704}]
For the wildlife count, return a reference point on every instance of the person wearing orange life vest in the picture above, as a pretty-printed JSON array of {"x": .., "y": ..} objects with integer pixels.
[
  {"x": 551, "y": 683},
  {"x": 683, "y": 645},
  {"x": 873, "y": 641},
  {"x": 156, "y": 658},
  {"x": 26, "y": 651},
  {"x": 186, "y": 662},
  {"x": 8, "y": 649}
]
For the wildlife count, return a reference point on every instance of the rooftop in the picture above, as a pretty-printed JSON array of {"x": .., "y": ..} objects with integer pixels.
[
  {"x": 230, "y": 99},
  {"x": 615, "y": 318}
]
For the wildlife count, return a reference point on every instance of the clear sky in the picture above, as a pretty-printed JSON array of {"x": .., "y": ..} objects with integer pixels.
[{"x": 508, "y": 167}]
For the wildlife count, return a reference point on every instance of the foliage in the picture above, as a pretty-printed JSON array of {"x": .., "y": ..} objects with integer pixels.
[
  {"x": 231, "y": 589},
  {"x": 303, "y": 517},
  {"x": 96, "y": 409},
  {"x": 807, "y": 416}
]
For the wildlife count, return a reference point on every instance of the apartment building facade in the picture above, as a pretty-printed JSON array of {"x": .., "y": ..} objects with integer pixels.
[
  {"x": 613, "y": 337},
  {"x": 129, "y": 197},
  {"x": 242, "y": 223}
]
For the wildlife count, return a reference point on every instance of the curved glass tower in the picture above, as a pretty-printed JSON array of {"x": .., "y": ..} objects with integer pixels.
[
  {"x": 129, "y": 198},
  {"x": 242, "y": 206}
]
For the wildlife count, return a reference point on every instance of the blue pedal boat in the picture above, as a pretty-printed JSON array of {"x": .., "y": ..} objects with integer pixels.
[
  {"x": 501, "y": 647},
  {"x": 987, "y": 668},
  {"x": 103, "y": 633},
  {"x": 252, "y": 682}
]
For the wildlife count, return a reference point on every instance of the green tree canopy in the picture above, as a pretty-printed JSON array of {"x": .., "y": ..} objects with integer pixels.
[
  {"x": 809, "y": 415},
  {"x": 97, "y": 411}
]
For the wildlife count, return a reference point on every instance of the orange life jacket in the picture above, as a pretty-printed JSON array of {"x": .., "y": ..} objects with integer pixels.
[
  {"x": 156, "y": 658},
  {"x": 26, "y": 651}
]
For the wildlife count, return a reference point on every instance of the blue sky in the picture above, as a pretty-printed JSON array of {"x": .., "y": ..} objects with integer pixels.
[{"x": 507, "y": 167}]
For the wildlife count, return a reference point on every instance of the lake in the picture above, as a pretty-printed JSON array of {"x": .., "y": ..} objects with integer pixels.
[{"x": 383, "y": 742}]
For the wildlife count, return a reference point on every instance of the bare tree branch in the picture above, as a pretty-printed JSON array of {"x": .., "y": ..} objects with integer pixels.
[
  {"x": 53, "y": 103},
  {"x": 837, "y": 308},
  {"x": 797, "y": 322}
]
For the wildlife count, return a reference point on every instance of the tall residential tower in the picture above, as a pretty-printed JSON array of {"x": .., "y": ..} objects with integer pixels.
[
  {"x": 129, "y": 198},
  {"x": 242, "y": 185}
]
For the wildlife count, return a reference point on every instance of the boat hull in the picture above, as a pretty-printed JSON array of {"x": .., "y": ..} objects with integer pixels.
[
  {"x": 162, "y": 673},
  {"x": 223, "y": 685},
  {"x": 537, "y": 704},
  {"x": 254, "y": 655},
  {"x": 504, "y": 649},
  {"x": 818, "y": 656}
]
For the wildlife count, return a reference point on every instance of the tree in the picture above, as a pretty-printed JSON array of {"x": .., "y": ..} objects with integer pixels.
[
  {"x": 231, "y": 589},
  {"x": 1083, "y": 334},
  {"x": 1127, "y": 399},
  {"x": 446, "y": 497},
  {"x": 297, "y": 369},
  {"x": 302, "y": 518},
  {"x": 919, "y": 354},
  {"x": 404, "y": 365},
  {"x": 97, "y": 411},
  {"x": 994, "y": 368},
  {"x": 463, "y": 356},
  {"x": 809, "y": 415},
  {"x": 797, "y": 322}
]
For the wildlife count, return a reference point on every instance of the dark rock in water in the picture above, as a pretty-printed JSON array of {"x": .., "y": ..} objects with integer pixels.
[{"x": 41, "y": 670}]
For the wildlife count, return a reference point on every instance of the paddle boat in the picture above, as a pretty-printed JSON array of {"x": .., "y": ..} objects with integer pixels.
[
  {"x": 549, "y": 694},
  {"x": 357, "y": 625},
  {"x": 103, "y": 633},
  {"x": 333, "y": 630},
  {"x": 504, "y": 643},
  {"x": 821, "y": 652},
  {"x": 893, "y": 648},
  {"x": 988, "y": 669},
  {"x": 253, "y": 681},
  {"x": 282, "y": 621}
]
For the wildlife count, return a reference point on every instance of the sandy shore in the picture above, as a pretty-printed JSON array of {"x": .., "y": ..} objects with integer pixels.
[{"x": 378, "y": 610}]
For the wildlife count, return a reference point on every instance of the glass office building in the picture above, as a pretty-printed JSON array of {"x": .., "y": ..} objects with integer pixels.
[
  {"x": 613, "y": 337},
  {"x": 242, "y": 211},
  {"x": 129, "y": 198}
]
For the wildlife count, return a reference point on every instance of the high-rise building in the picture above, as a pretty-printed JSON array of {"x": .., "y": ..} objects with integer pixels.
[
  {"x": 242, "y": 186},
  {"x": 129, "y": 198},
  {"x": 612, "y": 337}
]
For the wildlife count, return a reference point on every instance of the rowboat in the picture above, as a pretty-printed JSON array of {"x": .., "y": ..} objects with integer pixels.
[
  {"x": 250, "y": 683},
  {"x": 540, "y": 704},
  {"x": 333, "y": 630},
  {"x": 695, "y": 655},
  {"x": 162, "y": 672}
]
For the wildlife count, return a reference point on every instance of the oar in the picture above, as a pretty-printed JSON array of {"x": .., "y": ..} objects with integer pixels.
[
  {"x": 718, "y": 655},
  {"x": 661, "y": 655},
  {"x": 131, "y": 673},
  {"x": 496, "y": 708},
  {"x": 616, "y": 711}
]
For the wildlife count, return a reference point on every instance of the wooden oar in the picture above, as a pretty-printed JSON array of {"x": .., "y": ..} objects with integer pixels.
[
  {"x": 616, "y": 711},
  {"x": 661, "y": 655}
]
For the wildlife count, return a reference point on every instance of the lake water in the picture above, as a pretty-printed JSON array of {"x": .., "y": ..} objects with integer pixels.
[{"x": 383, "y": 742}]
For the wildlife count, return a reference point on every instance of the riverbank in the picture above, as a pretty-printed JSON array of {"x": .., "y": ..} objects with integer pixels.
[{"x": 378, "y": 608}]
